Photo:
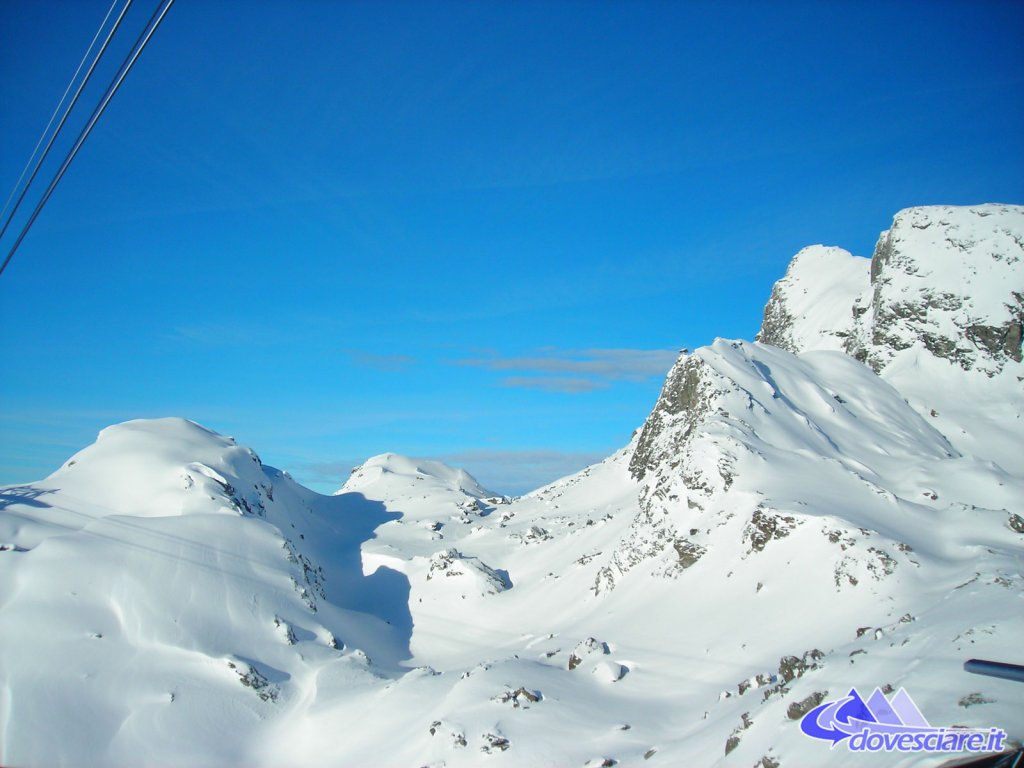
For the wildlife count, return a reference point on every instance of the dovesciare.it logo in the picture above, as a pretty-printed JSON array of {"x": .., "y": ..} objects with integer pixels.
[{"x": 891, "y": 725}]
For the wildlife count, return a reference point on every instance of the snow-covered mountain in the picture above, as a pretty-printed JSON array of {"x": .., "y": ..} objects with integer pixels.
[{"x": 838, "y": 504}]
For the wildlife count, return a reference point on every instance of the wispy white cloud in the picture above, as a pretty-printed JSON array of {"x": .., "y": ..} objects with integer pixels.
[{"x": 582, "y": 370}]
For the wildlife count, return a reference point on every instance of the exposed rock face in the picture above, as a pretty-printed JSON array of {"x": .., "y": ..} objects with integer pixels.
[
  {"x": 945, "y": 285},
  {"x": 684, "y": 403},
  {"x": 944, "y": 297},
  {"x": 951, "y": 279},
  {"x": 677, "y": 460},
  {"x": 948, "y": 280}
]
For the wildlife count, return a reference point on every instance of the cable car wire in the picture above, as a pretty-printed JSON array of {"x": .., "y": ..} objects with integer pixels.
[
  {"x": 63, "y": 120},
  {"x": 46, "y": 130},
  {"x": 133, "y": 55}
]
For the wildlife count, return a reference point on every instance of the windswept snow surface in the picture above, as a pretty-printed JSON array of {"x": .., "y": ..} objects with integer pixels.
[{"x": 787, "y": 524}]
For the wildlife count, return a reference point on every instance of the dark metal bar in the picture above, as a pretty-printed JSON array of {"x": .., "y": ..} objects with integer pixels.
[{"x": 1013, "y": 672}]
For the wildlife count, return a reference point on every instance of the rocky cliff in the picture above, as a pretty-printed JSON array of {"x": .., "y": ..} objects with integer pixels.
[
  {"x": 949, "y": 280},
  {"x": 937, "y": 311}
]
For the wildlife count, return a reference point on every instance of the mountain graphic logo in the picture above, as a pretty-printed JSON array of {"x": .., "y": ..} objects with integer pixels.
[{"x": 878, "y": 724}]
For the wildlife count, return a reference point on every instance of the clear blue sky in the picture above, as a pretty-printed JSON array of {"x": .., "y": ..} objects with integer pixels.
[{"x": 473, "y": 230}]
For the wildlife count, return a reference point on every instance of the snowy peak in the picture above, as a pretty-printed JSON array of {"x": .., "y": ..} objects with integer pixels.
[
  {"x": 760, "y": 439},
  {"x": 193, "y": 589},
  {"x": 737, "y": 424},
  {"x": 944, "y": 280},
  {"x": 821, "y": 403},
  {"x": 162, "y": 467},
  {"x": 949, "y": 279},
  {"x": 939, "y": 315},
  {"x": 810, "y": 308},
  {"x": 391, "y": 470}
]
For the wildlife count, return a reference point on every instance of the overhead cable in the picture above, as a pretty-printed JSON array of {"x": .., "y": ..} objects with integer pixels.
[
  {"x": 133, "y": 55},
  {"x": 64, "y": 118},
  {"x": 56, "y": 109}
]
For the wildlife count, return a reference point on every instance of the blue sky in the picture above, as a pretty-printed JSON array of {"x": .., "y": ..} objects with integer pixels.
[{"x": 475, "y": 231}]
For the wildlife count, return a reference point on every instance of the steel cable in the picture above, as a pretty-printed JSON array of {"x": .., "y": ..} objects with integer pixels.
[
  {"x": 56, "y": 109},
  {"x": 64, "y": 118},
  {"x": 133, "y": 55}
]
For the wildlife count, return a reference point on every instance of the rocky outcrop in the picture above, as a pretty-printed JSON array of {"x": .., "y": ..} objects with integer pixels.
[
  {"x": 945, "y": 280},
  {"x": 684, "y": 404},
  {"x": 951, "y": 280},
  {"x": 677, "y": 462},
  {"x": 587, "y": 649},
  {"x": 451, "y": 563},
  {"x": 945, "y": 286}
]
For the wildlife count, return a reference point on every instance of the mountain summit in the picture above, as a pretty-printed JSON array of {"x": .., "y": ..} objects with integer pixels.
[
  {"x": 836, "y": 505},
  {"x": 943, "y": 280}
]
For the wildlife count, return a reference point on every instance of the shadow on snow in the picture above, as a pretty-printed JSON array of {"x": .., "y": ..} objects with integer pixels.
[{"x": 384, "y": 593}]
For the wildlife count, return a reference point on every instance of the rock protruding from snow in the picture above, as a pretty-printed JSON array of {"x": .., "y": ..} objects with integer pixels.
[
  {"x": 591, "y": 649},
  {"x": 470, "y": 572},
  {"x": 950, "y": 279},
  {"x": 810, "y": 308},
  {"x": 947, "y": 280}
]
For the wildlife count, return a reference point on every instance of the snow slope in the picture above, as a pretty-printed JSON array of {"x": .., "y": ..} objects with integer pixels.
[
  {"x": 163, "y": 592},
  {"x": 788, "y": 523}
]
